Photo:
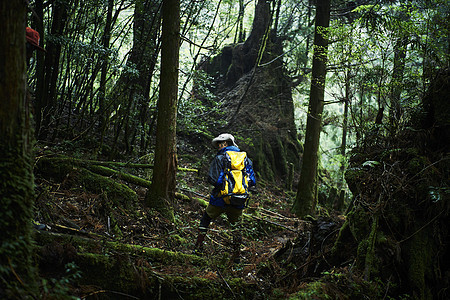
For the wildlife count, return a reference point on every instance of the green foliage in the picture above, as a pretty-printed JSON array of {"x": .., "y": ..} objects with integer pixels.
[
  {"x": 314, "y": 290},
  {"x": 202, "y": 110},
  {"x": 58, "y": 288}
]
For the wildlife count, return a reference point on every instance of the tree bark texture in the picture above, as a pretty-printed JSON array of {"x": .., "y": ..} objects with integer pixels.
[
  {"x": 257, "y": 102},
  {"x": 16, "y": 162},
  {"x": 163, "y": 183},
  {"x": 102, "y": 89},
  {"x": 395, "y": 109},
  {"x": 46, "y": 102},
  {"x": 132, "y": 89},
  {"x": 306, "y": 199}
]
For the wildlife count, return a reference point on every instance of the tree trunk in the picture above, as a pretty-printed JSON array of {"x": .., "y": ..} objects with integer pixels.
[
  {"x": 46, "y": 105},
  {"x": 132, "y": 89},
  {"x": 306, "y": 199},
  {"x": 164, "y": 181},
  {"x": 40, "y": 57},
  {"x": 344, "y": 126},
  {"x": 256, "y": 94},
  {"x": 103, "y": 114},
  {"x": 17, "y": 273},
  {"x": 240, "y": 31},
  {"x": 395, "y": 110}
]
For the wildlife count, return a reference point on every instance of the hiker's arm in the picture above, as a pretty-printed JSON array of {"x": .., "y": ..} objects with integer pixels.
[
  {"x": 215, "y": 175},
  {"x": 251, "y": 174}
]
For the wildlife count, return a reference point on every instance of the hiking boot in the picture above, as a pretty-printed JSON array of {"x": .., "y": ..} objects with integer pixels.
[{"x": 198, "y": 248}]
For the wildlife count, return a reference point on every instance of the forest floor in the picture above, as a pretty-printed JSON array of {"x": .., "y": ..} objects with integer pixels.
[{"x": 280, "y": 252}]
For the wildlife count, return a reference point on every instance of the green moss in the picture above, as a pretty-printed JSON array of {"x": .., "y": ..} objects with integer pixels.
[
  {"x": 371, "y": 266},
  {"x": 342, "y": 239},
  {"x": 62, "y": 169},
  {"x": 118, "y": 193},
  {"x": 314, "y": 290},
  {"x": 131, "y": 269},
  {"x": 353, "y": 177},
  {"x": 116, "y": 273},
  {"x": 107, "y": 247},
  {"x": 178, "y": 239},
  {"x": 412, "y": 151},
  {"x": 361, "y": 253},
  {"x": 417, "y": 164},
  {"x": 359, "y": 223},
  {"x": 419, "y": 255},
  {"x": 267, "y": 161},
  {"x": 16, "y": 214}
]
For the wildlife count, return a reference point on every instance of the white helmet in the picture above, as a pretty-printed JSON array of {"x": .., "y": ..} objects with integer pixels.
[{"x": 222, "y": 138}]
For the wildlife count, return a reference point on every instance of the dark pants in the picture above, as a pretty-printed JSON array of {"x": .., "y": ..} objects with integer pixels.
[{"x": 213, "y": 212}]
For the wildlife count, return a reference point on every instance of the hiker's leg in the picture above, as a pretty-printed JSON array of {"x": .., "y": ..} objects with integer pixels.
[
  {"x": 203, "y": 228},
  {"x": 234, "y": 217},
  {"x": 204, "y": 222},
  {"x": 211, "y": 213}
]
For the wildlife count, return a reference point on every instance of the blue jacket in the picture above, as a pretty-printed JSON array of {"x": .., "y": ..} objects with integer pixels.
[{"x": 216, "y": 175}]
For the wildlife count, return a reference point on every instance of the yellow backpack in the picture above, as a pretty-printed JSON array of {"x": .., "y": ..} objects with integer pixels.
[{"x": 235, "y": 188}]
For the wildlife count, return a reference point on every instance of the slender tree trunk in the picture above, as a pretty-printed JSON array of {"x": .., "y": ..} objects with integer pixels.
[
  {"x": 241, "y": 34},
  {"x": 306, "y": 198},
  {"x": 46, "y": 104},
  {"x": 345, "y": 125},
  {"x": 277, "y": 17},
  {"x": 40, "y": 55},
  {"x": 17, "y": 274},
  {"x": 103, "y": 114},
  {"x": 395, "y": 110},
  {"x": 400, "y": 50},
  {"x": 132, "y": 87},
  {"x": 162, "y": 191}
]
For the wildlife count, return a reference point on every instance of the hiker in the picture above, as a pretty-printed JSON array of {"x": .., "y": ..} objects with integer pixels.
[
  {"x": 32, "y": 43},
  {"x": 229, "y": 195}
]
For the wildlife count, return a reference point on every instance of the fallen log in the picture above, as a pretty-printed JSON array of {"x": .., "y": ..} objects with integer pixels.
[
  {"x": 112, "y": 268},
  {"x": 105, "y": 171},
  {"x": 110, "y": 163}
]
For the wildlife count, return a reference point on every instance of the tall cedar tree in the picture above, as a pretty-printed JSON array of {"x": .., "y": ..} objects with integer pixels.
[
  {"x": 306, "y": 198},
  {"x": 16, "y": 161},
  {"x": 162, "y": 190}
]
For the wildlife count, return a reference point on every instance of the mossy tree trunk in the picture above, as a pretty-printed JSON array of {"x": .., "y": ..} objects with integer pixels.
[
  {"x": 306, "y": 199},
  {"x": 257, "y": 105},
  {"x": 16, "y": 161},
  {"x": 162, "y": 191}
]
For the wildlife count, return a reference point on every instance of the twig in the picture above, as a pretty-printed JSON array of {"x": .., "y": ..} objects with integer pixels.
[
  {"x": 112, "y": 292},
  {"x": 228, "y": 286},
  {"x": 195, "y": 193},
  {"x": 273, "y": 223},
  {"x": 14, "y": 272},
  {"x": 18, "y": 278},
  {"x": 300, "y": 267},
  {"x": 436, "y": 162},
  {"x": 420, "y": 229},
  {"x": 274, "y": 213},
  {"x": 79, "y": 231},
  {"x": 283, "y": 219},
  {"x": 323, "y": 241}
]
